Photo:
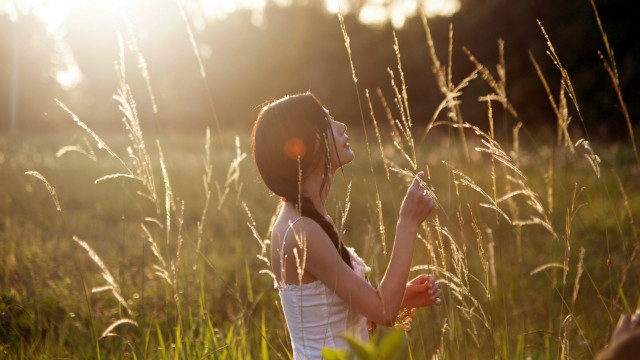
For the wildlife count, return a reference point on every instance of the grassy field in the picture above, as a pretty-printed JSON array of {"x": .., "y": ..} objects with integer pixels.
[
  {"x": 217, "y": 304},
  {"x": 151, "y": 246}
]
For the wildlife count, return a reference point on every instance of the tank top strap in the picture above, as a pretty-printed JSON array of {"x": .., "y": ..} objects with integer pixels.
[
  {"x": 289, "y": 228},
  {"x": 282, "y": 250}
]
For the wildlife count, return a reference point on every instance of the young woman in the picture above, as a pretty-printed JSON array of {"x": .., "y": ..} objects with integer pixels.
[{"x": 297, "y": 148}]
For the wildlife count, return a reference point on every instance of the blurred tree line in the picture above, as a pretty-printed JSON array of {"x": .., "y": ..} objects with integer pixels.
[{"x": 300, "y": 47}]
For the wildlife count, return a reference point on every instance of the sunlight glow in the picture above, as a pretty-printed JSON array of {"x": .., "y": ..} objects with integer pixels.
[
  {"x": 378, "y": 12},
  {"x": 54, "y": 13}
]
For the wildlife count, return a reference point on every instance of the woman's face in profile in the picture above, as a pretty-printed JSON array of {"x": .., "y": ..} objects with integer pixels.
[{"x": 341, "y": 153}]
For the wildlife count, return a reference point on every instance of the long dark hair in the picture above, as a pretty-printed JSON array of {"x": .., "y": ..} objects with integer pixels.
[{"x": 290, "y": 139}]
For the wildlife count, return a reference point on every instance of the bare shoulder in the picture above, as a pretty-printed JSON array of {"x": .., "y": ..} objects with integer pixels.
[
  {"x": 299, "y": 233},
  {"x": 297, "y": 239}
]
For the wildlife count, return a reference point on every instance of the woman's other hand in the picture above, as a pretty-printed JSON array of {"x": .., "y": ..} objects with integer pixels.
[
  {"x": 422, "y": 291},
  {"x": 417, "y": 204}
]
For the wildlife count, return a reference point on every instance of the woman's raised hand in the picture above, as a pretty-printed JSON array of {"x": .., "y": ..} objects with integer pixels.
[
  {"x": 417, "y": 204},
  {"x": 422, "y": 291}
]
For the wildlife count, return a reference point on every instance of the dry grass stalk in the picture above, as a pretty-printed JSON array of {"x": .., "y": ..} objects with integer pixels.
[
  {"x": 547, "y": 266},
  {"x": 440, "y": 243},
  {"x": 566, "y": 81},
  {"x": 142, "y": 62},
  {"x": 445, "y": 84},
  {"x": 154, "y": 245},
  {"x": 395, "y": 135},
  {"x": 109, "y": 329},
  {"x": 206, "y": 183},
  {"x": 385, "y": 162},
  {"x": 458, "y": 257},
  {"x": 562, "y": 113},
  {"x": 592, "y": 158},
  {"x": 301, "y": 259},
  {"x": 99, "y": 142},
  {"x": 612, "y": 70},
  {"x": 461, "y": 291},
  {"x": 563, "y": 121},
  {"x": 481, "y": 251},
  {"x": 347, "y": 44},
  {"x": 50, "y": 189},
  {"x": 106, "y": 275},
  {"x": 169, "y": 203},
  {"x": 264, "y": 244},
  {"x": 513, "y": 206},
  {"x": 570, "y": 215},
  {"x": 428, "y": 241},
  {"x": 233, "y": 175},
  {"x": 203, "y": 73},
  {"x": 492, "y": 146},
  {"x": 115, "y": 176},
  {"x": 162, "y": 270},
  {"x": 175, "y": 263},
  {"x": 576, "y": 284},
  {"x": 154, "y": 221},
  {"x": 515, "y": 152},
  {"x": 402, "y": 104},
  {"x": 509, "y": 197},
  {"x": 222, "y": 195},
  {"x": 404, "y": 97},
  {"x": 499, "y": 87},
  {"x": 548, "y": 179},
  {"x": 381, "y": 229},
  {"x": 138, "y": 152},
  {"x": 626, "y": 205},
  {"x": 403, "y": 126},
  {"x": 460, "y": 178},
  {"x": 345, "y": 210},
  {"x": 493, "y": 162},
  {"x": 86, "y": 150},
  {"x": 451, "y": 100},
  {"x": 623, "y": 277},
  {"x": 564, "y": 343},
  {"x": 492, "y": 258}
]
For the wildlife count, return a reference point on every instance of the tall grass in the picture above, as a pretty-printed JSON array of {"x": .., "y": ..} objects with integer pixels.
[{"x": 531, "y": 243}]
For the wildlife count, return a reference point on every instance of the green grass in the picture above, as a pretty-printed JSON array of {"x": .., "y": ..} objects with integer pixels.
[{"x": 44, "y": 274}]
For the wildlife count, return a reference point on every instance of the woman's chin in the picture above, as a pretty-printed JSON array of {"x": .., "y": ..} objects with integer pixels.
[{"x": 348, "y": 157}]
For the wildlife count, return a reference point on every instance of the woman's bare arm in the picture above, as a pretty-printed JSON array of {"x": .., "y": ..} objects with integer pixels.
[{"x": 323, "y": 261}]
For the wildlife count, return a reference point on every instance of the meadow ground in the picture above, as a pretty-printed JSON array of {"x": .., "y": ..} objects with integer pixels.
[{"x": 542, "y": 288}]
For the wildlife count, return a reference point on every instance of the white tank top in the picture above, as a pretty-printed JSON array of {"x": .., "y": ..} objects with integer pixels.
[{"x": 316, "y": 316}]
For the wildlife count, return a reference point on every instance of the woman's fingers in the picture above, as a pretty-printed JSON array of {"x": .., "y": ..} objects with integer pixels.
[
  {"x": 420, "y": 279},
  {"x": 435, "y": 290},
  {"x": 416, "y": 182},
  {"x": 423, "y": 283},
  {"x": 417, "y": 204},
  {"x": 436, "y": 294},
  {"x": 436, "y": 298}
]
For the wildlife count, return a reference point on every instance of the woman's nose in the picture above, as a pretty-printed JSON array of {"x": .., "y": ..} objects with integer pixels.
[{"x": 344, "y": 128}]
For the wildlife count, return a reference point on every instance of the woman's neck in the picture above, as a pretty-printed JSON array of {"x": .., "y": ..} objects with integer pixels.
[{"x": 311, "y": 189}]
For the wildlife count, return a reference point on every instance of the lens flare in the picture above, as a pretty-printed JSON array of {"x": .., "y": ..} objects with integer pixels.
[{"x": 294, "y": 148}]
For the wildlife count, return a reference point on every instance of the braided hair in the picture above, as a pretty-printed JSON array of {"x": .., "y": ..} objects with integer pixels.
[{"x": 290, "y": 139}]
